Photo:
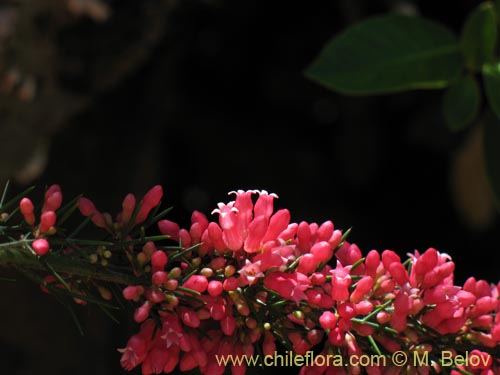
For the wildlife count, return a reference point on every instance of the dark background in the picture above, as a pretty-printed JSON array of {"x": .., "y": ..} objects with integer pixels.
[{"x": 205, "y": 97}]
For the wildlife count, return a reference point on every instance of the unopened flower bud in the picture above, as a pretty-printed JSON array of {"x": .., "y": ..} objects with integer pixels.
[
  {"x": 229, "y": 270},
  {"x": 243, "y": 308},
  {"x": 174, "y": 273},
  {"x": 131, "y": 292},
  {"x": 149, "y": 248},
  {"x": 47, "y": 220},
  {"x": 141, "y": 258},
  {"x": 215, "y": 288},
  {"x": 105, "y": 293},
  {"x": 26, "y": 207},
  {"x": 171, "y": 284},
  {"x": 207, "y": 272},
  {"x": 93, "y": 258},
  {"x": 142, "y": 312},
  {"x": 159, "y": 260},
  {"x": 172, "y": 300},
  {"x": 40, "y": 246},
  {"x": 251, "y": 323},
  {"x": 159, "y": 277},
  {"x": 298, "y": 314}
]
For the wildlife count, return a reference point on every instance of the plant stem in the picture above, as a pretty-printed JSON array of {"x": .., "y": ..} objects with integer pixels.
[{"x": 16, "y": 257}]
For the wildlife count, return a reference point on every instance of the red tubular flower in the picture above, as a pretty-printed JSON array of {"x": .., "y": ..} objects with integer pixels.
[
  {"x": 341, "y": 280},
  {"x": 253, "y": 276}
]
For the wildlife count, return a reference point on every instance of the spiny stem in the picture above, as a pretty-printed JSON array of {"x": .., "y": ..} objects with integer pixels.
[{"x": 19, "y": 258}]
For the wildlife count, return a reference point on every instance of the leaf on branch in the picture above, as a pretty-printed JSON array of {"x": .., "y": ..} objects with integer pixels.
[
  {"x": 461, "y": 103},
  {"x": 491, "y": 79},
  {"x": 479, "y": 36},
  {"x": 389, "y": 53}
]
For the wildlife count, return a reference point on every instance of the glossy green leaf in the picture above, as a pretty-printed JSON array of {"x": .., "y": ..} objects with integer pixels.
[
  {"x": 491, "y": 141},
  {"x": 479, "y": 36},
  {"x": 491, "y": 80},
  {"x": 388, "y": 53},
  {"x": 461, "y": 103}
]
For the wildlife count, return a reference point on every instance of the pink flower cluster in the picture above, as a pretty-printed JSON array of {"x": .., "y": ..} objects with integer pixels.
[
  {"x": 255, "y": 280},
  {"x": 46, "y": 227},
  {"x": 122, "y": 223}
]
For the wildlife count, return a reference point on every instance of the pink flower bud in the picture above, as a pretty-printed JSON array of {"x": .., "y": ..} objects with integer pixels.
[
  {"x": 150, "y": 200},
  {"x": 131, "y": 292},
  {"x": 40, "y": 246},
  {"x": 399, "y": 273},
  {"x": 362, "y": 288},
  {"x": 26, "y": 207},
  {"x": 184, "y": 238},
  {"x": 196, "y": 232},
  {"x": 159, "y": 277},
  {"x": 372, "y": 261},
  {"x": 304, "y": 236},
  {"x": 277, "y": 224},
  {"x": 169, "y": 228},
  {"x": 364, "y": 307},
  {"x": 53, "y": 199},
  {"x": 307, "y": 264},
  {"x": 199, "y": 218},
  {"x": 335, "y": 337},
  {"x": 197, "y": 282},
  {"x": 171, "y": 284},
  {"x": 47, "y": 220},
  {"x": 159, "y": 260},
  {"x": 228, "y": 325},
  {"x": 141, "y": 313},
  {"x": 215, "y": 288},
  {"x": 155, "y": 296},
  {"x": 347, "y": 310},
  {"x": 325, "y": 231},
  {"x": 389, "y": 257},
  {"x": 317, "y": 278},
  {"x": 230, "y": 284},
  {"x": 328, "y": 320},
  {"x": 53, "y": 202},
  {"x": 128, "y": 207},
  {"x": 217, "y": 263},
  {"x": 86, "y": 206},
  {"x": 218, "y": 310},
  {"x": 215, "y": 235},
  {"x": 383, "y": 317},
  {"x": 322, "y": 251},
  {"x": 190, "y": 318}
]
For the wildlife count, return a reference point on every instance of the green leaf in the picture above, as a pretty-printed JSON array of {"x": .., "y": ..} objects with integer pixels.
[
  {"x": 491, "y": 80},
  {"x": 461, "y": 103},
  {"x": 479, "y": 36},
  {"x": 491, "y": 142},
  {"x": 388, "y": 53},
  {"x": 497, "y": 9}
]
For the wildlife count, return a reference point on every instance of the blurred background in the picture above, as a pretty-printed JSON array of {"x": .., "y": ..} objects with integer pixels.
[{"x": 106, "y": 97}]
